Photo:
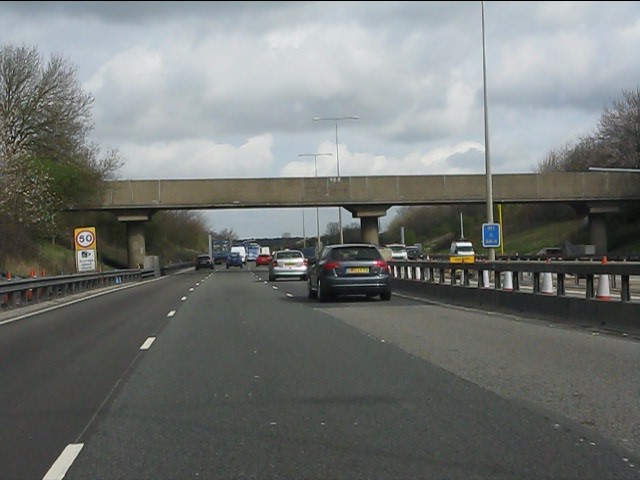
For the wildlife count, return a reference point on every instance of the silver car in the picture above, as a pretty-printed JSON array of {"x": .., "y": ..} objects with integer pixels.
[{"x": 288, "y": 264}]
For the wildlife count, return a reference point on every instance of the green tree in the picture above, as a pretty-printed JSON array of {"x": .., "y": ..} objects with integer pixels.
[{"x": 46, "y": 160}]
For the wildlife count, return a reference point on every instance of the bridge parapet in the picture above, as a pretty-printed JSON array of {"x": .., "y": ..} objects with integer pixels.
[{"x": 201, "y": 194}]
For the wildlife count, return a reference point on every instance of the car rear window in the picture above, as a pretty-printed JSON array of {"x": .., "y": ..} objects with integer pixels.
[
  {"x": 290, "y": 255},
  {"x": 355, "y": 253}
]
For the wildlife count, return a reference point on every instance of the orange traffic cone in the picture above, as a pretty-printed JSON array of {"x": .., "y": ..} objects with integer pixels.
[{"x": 603, "y": 292}]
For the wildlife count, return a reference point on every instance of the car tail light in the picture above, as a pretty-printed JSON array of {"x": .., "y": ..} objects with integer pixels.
[
  {"x": 382, "y": 264},
  {"x": 274, "y": 263},
  {"x": 331, "y": 265},
  {"x": 305, "y": 262}
]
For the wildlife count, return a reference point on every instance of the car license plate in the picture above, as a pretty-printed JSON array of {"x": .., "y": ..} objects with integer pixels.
[
  {"x": 357, "y": 270},
  {"x": 290, "y": 264}
]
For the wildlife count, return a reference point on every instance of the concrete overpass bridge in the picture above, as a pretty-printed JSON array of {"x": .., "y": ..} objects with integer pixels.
[{"x": 366, "y": 197}]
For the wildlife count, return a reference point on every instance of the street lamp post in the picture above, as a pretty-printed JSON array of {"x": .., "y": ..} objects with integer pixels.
[
  {"x": 336, "y": 120},
  {"x": 315, "y": 161},
  {"x": 304, "y": 235},
  {"x": 487, "y": 160}
]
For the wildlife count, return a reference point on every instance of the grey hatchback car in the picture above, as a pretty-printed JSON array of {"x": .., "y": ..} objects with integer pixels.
[{"x": 349, "y": 269}]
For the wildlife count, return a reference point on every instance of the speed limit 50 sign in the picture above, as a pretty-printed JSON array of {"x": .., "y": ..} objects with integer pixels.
[
  {"x": 85, "y": 246},
  {"x": 85, "y": 238}
]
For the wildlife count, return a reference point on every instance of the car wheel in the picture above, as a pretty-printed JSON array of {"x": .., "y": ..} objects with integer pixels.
[
  {"x": 227, "y": 267},
  {"x": 386, "y": 296},
  {"x": 303, "y": 277},
  {"x": 323, "y": 295},
  {"x": 241, "y": 267},
  {"x": 271, "y": 278},
  {"x": 311, "y": 291}
]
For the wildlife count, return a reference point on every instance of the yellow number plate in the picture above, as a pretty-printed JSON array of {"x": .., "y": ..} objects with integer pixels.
[
  {"x": 462, "y": 259},
  {"x": 358, "y": 270}
]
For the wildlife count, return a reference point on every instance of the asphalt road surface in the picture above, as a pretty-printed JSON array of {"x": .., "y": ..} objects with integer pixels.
[{"x": 226, "y": 375}]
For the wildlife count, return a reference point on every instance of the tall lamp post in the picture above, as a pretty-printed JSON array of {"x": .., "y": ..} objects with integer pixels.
[
  {"x": 487, "y": 160},
  {"x": 315, "y": 162},
  {"x": 336, "y": 120}
]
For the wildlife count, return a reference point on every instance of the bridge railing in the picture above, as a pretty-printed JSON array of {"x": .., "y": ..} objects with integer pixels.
[
  {"x": 533, "y": 276},
  {"x": 22, "y": 292}
]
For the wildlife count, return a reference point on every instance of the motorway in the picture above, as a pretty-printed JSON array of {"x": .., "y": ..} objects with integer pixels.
[{"x": 226, "y": 375}]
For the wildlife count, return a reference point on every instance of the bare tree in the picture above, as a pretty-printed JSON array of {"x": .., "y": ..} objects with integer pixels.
[
  {"x": 619, "y": 132},
  {"x": 43, "y": 110}
]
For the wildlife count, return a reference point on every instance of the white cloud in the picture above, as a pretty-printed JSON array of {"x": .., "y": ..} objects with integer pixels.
[{"x": 228, "y": 89}]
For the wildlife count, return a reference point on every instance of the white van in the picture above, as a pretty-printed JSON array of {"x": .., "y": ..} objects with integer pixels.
[
  {"x": 241, "y": 250},
  {"x": 461, "y": 248}
]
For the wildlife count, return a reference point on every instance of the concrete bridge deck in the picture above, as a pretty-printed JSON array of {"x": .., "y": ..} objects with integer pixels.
[
  {"x": 354, "y": 193},
  {"x": 366, "y": 197}
]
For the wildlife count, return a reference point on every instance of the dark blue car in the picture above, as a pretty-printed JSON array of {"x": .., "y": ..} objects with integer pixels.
[{"x": 234, "y": 259}]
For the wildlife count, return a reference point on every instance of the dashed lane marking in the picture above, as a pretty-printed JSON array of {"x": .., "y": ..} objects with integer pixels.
[
  {"x": 147, "y": 343},
  {"x": 60, "y": 467}
]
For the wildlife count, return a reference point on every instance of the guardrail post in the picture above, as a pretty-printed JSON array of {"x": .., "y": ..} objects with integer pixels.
[
  {"x": 589, "y": 293},
  {"x": 560, "y": 285},
  {"x": 536, "y": 282},
  {"x": 625, "y": 290}
]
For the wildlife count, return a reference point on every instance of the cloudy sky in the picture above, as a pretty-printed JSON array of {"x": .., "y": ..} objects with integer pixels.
[{"x": 230, "y": 89}]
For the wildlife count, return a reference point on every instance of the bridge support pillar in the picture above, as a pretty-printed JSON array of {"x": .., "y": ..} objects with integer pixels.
[
  {"x": 368, "y": 216},
  {"x": 369, "y": 230},
  {"x": 135, "y": 244},
  {"x": 136, "y": 250},
  {"x": 598, "y": 228}
]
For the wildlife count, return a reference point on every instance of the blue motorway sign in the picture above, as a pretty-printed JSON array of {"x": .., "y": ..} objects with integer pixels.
[{"x": 490, "y": 235}]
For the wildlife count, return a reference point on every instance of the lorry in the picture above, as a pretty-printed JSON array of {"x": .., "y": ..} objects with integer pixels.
[{"x": 220, "y": 250}]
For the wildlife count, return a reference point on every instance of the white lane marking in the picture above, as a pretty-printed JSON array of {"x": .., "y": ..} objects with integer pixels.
[
  {"x": 183, "y": 298},
  {"x": 147, "y": 343},
  {"x": 197, "y": 284},
  {"x": 289, "y": 295},
  {"x": 171, "y": 313},
  {"x": 275, "y": 288},
  {"x": 59, "y": 468},
  {"x": 191, "y": 289}
]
